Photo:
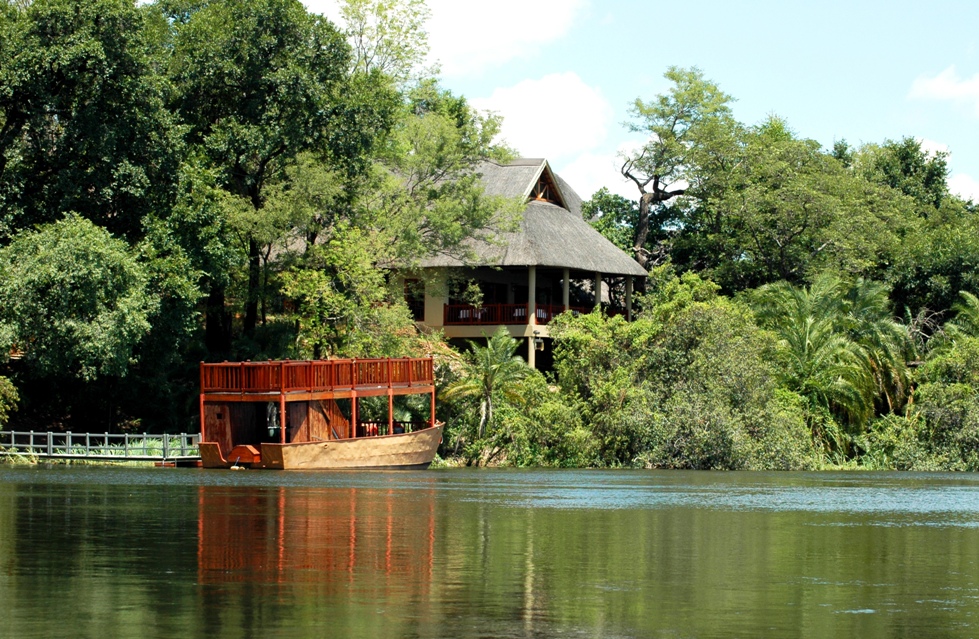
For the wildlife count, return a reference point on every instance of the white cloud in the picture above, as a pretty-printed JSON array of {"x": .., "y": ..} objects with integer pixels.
[
  {"x": 932, "y": 148},
  {"x": 964, "y": 186},
  {"x": 471, "y": 36},
  {"x": 947, "y": 85},
  {"x": 556, "y": 116},
  {"x": 589, "y": 172},
  {"x": 329, "y": 8},
  {"x": 468, "y": 37}
]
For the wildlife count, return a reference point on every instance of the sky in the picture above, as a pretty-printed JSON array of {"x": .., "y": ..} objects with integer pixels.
[{"x": 563, "y": 73}]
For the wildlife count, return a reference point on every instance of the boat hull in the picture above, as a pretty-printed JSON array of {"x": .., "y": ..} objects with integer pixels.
[{"x": 414, "y": 450}]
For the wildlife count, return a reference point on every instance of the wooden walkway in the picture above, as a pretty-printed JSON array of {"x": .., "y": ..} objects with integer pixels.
[{"x": 100, "y": 446}]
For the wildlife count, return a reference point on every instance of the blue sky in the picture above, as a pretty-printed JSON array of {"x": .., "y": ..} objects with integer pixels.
[{"x": 563, "y": 73}]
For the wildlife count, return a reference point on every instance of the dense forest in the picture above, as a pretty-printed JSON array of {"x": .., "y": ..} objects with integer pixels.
[{"x": 195, "y": 180}]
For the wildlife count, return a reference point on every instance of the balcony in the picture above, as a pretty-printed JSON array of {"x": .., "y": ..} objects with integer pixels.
[{"x": 496, "y": 314}]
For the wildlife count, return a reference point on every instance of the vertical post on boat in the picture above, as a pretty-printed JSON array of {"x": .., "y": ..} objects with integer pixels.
[
  {"x": 353, "y": 414},
  {"x": 203, "y": 438},
  {"x": 282, "y": 418},
  {"x": 431, "y": 418},
  {"x": 390, "y": 412}
]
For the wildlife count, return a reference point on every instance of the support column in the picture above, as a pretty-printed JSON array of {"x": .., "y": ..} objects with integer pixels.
[
  {"x": 598, "y": 290},
  {"x": 566, "y": 289},
  {"x": 628, "y": 298},
  {"x": 435, "y": 300},
  {"x": 431, "y": 417},
  {"x": 531, "y": 352},
  {"x": 532, "y": 295}
]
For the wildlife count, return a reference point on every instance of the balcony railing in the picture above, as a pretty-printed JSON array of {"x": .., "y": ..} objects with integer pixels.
[
  {"x": 492, "y": 314},
  {"x": 315, "y": 376}
]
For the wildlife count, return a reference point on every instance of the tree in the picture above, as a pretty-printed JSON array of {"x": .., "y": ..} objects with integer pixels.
[
  {"x": 386, "y": 36},
  {"x": 8, "y": 399},
  {"x": 777, "y": 207},
  {"x": 74, "y": 299},
  {"x": 426, "y": 196},
  {"x": 680, "y": 124},
  {"x": 490, "y": 370},
  {"x": 259, "y": 83},
  {"x": 843, "y": 349},
  {"x": 613, "y": 216},
  {"x": 906, "y": 167},
  {"x": 343, "y": 305},
  {"x": 82, "y": 122},
  {"x": 691, "y": 383}
]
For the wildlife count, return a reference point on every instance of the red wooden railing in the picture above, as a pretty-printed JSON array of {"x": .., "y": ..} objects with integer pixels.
[
  {"x": 466, "y": 315},
  {"x": 320, "y": 375}
]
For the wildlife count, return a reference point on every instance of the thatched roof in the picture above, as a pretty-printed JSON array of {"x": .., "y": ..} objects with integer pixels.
[{"x": 550, "y": 234}]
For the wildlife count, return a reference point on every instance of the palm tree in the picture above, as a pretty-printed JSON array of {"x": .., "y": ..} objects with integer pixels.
[
  {"x": 845, "y": 351},
  {"x": 490, "y": 369},
  {"x": 966, "y": 322},
  {"x": 823, "y": 363},
  {"x": 885, "y": 342}
]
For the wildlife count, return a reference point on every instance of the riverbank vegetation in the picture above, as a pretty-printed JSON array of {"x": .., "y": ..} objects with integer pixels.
[{"x": 188, "y": 181}]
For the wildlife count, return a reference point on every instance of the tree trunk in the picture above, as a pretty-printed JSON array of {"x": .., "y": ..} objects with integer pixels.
[
  {"x": 485, "y": 415},
  {"x": 217, "y": 324},
  {"x": 642, "y": 232},
  {"x": 254, "y": 279}
]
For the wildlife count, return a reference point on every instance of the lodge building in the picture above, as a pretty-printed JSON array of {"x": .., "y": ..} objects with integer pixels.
[{"x": 553, "y": 262}]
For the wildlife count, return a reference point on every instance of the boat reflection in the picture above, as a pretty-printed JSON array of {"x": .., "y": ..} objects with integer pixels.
[{"x": 292, "y": 535}]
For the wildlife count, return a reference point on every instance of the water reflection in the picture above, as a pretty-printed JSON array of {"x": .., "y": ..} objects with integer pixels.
[
  {"x": 325, "y": 536},
  {"x": 132, "y": 553}
]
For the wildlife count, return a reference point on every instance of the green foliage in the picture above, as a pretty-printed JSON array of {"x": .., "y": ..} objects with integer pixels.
[
  {"x": 543, "y": 429},
  {"x": 75, "y": 299},
  {"x": 939, "y": 261},
  {"x": 387, "y": 36},
  {"x": 343, "y": 305},
  {"x": 82, "y": 121},
  {"x": 613, "y": 216},
  {"x": 425, "y": 193},
  {"x": 489, "y": 372},
  {"x": 8, "y": 399},
  {"x": 689, "y": 127},
  {"x": 689, "y": 384},
  {"x": 841, "y": 348},
  {"x": 779, "y": 208},
  {"x": 906, "y": 167}
]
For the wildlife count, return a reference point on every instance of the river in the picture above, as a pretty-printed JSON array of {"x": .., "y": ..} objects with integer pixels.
[{"x": 106, "y": 552}]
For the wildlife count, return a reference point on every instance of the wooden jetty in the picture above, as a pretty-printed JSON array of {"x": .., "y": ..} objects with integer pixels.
[{"x": 163, "y": 449}]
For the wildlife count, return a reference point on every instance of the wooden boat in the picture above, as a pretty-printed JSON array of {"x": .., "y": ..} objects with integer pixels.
[{"x": 290, "y": 415}]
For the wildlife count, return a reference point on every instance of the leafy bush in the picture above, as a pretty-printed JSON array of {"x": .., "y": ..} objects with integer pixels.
[{"x": 8, "y": 399}]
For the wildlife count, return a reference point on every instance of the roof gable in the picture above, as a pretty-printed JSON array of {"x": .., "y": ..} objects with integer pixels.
[
  {"x": 546, "y": 188},
  {"x": 552, "y": 232}
]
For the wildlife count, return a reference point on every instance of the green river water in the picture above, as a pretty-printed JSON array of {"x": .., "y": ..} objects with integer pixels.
[{"x": 106, "y": 552}]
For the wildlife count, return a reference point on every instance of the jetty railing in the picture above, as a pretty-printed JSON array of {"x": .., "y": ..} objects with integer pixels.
[
  {"x": 315, "y": 375},
  {"x": 101, "y": 446}
]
